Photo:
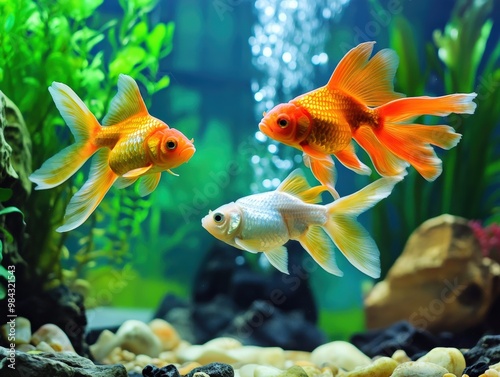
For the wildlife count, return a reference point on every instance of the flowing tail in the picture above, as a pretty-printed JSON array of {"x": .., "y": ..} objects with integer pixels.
[
  {"x": 83, "y": 126},
  {"x": 412, "y": 142},
  {"x": 348, "y": 234},
  {"x": 392, "y": 144}
]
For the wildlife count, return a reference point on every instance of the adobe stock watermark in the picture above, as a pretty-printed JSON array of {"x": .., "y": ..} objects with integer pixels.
[
  {"x": 380, "y": 20},
  {"x": 218, "y": 181},
  {"x": 222, "y": 7}
]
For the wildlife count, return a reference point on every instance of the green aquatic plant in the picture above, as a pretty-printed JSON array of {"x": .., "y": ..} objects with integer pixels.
[
  {"x": 69, "y": 41},
  {"x": 468, "y": 186}
]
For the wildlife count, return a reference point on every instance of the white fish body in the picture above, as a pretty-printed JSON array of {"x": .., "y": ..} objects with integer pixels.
[{"x": 265, "y": 222}]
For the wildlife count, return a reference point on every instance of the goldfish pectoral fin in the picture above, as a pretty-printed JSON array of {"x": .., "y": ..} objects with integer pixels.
[
  {"x": 349, "y": 159},
  {"x": 368, "y": 80},
  {"x": 317, "y": 243},
  {"x": 386, "y": 163},
  {"x": 148, "y": 183},
  {"x": 123, "y": 182},
  {"x": 85, "y": 201},
  {"x": 348, "y": 234},
  {"x": 171, "y": 172},
  {"x": 252, "y": 246},
  {"x": 323, "y": 168},
  {"x": 136, "y": 173},
  {"x": 295, "y": 184},
  {"x": 126, "y": 103},
  {"x": 278, "y": 258}
]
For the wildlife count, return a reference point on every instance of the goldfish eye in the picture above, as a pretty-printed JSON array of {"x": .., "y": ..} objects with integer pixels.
[
  {"x": 171, "y": 144},
  {"x": 282, "y": 122},
  {"x": 218, "y": 217}
]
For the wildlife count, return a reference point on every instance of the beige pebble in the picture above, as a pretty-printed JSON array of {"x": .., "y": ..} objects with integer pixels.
[
  {"x": 44, "y": 347},
  {"x": 382, "y": 367},
  {"x": 420, "y": 369},
  {"x": 400, "y": 356},
  {"x": 142, "y": 360},
  {"x": 449, "y": 358},
  {"x": 200, "y": 374},
  {"x": 224, "y": 343},
  {"x": 341, "y": 354},
  {"x": 256, "y": 370},
  {"x": 25, "y": 347},
  {"x": 495, "y": 367},
  {"x": 54, "y": 337},
  {"x": 490, "y": 373},
  {"x": 188, "y": 367},
  {"x": 138, "y": 338},
  {"x": 17, "y": 331},
  {"x": 166, "y": 333},
  {"x": 104, "y": 345}
]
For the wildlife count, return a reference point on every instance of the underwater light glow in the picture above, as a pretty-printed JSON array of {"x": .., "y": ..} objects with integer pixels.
[{"x": 287, "y": 46}]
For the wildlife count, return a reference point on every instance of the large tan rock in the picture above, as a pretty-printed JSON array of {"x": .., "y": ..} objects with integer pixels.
[{"x": 440, "y": 282}]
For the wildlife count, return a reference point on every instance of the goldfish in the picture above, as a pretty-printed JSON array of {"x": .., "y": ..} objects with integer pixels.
[
  {"x": 130, "y": 144},
  {"x": 263, "y": 223},
  {"x": 359, "y": 103}
]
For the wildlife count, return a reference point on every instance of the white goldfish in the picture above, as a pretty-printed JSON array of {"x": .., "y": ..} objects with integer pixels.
[{"x": 265, "y": 222}]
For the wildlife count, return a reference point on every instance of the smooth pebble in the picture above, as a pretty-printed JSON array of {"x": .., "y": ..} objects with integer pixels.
[
  {"x": 382, "y": 367},
  {"x": 449, "y": 358},
  {"x": 419, "y": 368},
  {"x": 54, "y": 337},
  {"x": 341, "y": 354}
]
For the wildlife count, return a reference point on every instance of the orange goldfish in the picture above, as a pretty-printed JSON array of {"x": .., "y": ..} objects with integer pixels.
[
  {"x": 130, "y": 144},
  {"x": 359, "y": 103},
  {"x": 265, "y": 222}
]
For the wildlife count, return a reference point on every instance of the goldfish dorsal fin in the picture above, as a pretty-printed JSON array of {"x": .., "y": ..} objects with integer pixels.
[
  {"x": 370, "y": 81},
  {"x": 126, "y": 103},
  {"x": 295, "y": 184}
]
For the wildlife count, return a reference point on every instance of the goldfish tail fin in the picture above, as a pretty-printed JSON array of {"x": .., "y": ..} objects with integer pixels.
[
  {"x": 317, "y": 243},
  {"x": 348, "y": 234},
  {"x": 83, "y": 126},
  {"x": 349, "y": 159},
  {"x": 412, "y": 142},
  {"x": 385, "y": 162},
  {"x": 86, "y": 200},
  {"x": 370, "y": 81}
]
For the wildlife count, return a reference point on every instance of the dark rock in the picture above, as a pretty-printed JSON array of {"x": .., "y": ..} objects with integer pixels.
[
  {"x": 168, "y": 303},
  {"x": 54, "y": 365},
  {"x": 61, "y": 307},
  {"x": 401, "y": 335},
  {"x": 218, "y": 268},
  {"x": 232, "y": 299},
  {"x": 212, "y": 317},
  {"x": 486, "y": 352},
  {"x": 265, "y": 325},
  {"x": 166, "y": 371},
  {"x": 214, "y": 370},
  {"x": 414, "y": 341}
]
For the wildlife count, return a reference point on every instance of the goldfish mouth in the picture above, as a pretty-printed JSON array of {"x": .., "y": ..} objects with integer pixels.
[
  {"x": 264, "y": 128},
  {"x": 187, "y": 153}
]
